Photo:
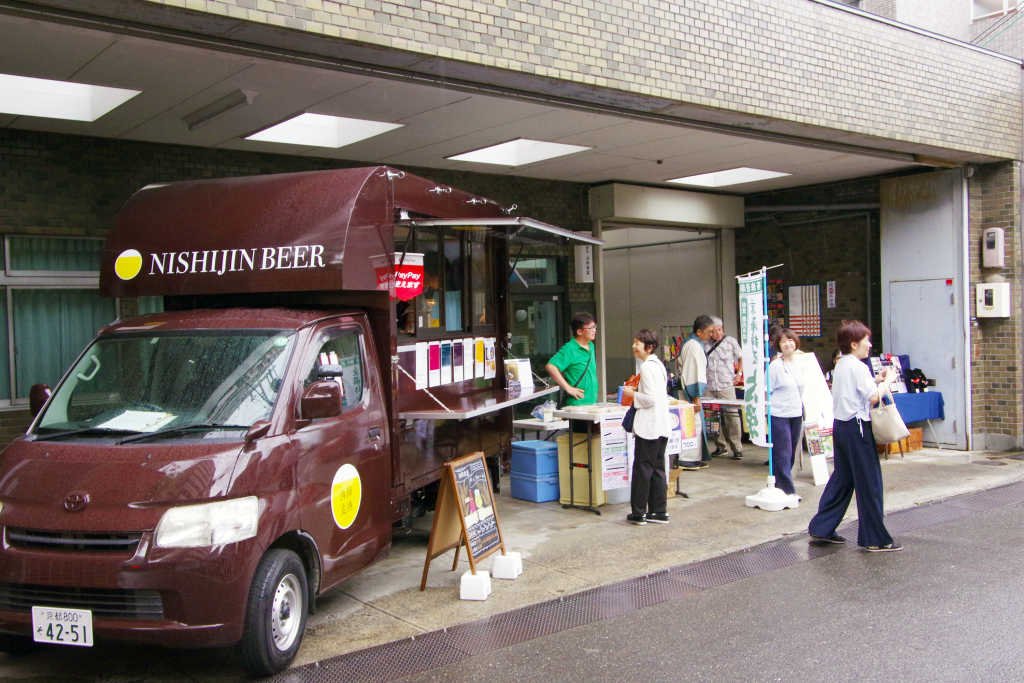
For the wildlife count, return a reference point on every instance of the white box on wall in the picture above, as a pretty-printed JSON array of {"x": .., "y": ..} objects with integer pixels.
[
  {"x": 993, "y": 300},
  {"x": 993, "y": 248}
]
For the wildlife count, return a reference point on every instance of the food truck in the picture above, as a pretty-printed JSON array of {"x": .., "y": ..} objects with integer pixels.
[{"x": 329, "y": 340}]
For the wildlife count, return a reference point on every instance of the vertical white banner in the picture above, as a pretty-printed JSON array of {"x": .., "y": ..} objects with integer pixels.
[{"x": 755, "y": 365}]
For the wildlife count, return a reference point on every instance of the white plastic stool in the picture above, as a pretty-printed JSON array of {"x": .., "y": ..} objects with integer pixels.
[
  {"x": 475, "y": 586},
  {"x": 507, "y": 566}
]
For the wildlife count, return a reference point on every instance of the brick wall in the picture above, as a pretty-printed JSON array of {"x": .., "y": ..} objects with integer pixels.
[
  {"x": 829, "y": 248},
  {"x": 996, "y": 343},
  {"x": 790, "y": 66},
  {"x": 1006, "y": 35},
  {"x": 72, "y": 185}
]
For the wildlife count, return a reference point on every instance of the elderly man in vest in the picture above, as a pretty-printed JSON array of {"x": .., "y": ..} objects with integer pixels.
[{"x": 725, "y": 367}]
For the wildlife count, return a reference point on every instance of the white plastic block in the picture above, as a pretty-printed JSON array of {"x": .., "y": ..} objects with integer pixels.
[
  {"x": 507, "y": 566},
  {"x": 772, "y": 499},
  {"x": 475, "y": 586}
]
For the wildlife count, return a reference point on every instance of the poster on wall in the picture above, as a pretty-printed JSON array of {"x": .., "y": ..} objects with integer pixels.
[
  {"x": 831, "y": 293},
  {"x": 614, "y": 452},
  {"x": 805, "y": 310},
  {"x": 755, "y": 365}
]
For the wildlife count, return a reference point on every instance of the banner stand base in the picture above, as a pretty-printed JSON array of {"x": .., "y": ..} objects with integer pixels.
[{"x": 772, "y": 499}]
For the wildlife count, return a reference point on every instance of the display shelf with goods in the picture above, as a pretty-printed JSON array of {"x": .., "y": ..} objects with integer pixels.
[{"x": 776, "y": 303}]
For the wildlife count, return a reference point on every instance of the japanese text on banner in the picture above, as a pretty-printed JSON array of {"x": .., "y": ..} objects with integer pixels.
[{"x": 755, "y": 364}]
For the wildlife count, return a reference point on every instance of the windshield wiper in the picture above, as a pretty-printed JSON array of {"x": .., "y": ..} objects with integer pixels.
[
  {"x": 72, "y": 432},
  {"x": 211, "y": 425}
]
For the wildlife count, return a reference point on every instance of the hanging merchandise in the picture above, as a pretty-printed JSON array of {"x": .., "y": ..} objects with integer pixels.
[{"x": 776, "y": 301}]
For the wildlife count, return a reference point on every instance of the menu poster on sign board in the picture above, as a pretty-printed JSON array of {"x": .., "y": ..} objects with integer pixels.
[
  {"x": 434, "y": 373},
  {"x": 685, "y": 435},
  {"x": 458, "y": 365},
  {"x": 422, "y": 351},
  {"x": 467, "y": 355},
  {"x": 446, "y": 362},
  {"x": 614, "y": 453},
  {"x": 478, "y": 357},
  {"x": 464, "y": 514},
  {"x": 490, "y": 365}
]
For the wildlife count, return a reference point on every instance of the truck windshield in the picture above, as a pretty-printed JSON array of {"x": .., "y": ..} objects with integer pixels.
[{"x": 128, "y": 383}]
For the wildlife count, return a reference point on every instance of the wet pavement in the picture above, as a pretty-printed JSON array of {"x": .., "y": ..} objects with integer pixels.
[{"x": 564, "y": 552}]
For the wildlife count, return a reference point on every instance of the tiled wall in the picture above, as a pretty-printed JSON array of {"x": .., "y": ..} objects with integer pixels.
[{"x": 789, "y": 65}]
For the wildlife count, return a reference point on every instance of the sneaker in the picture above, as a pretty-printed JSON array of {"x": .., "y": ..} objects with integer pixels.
[
  {"x": 738, "y": 455},
  {"x": 640, "y": 520},
  {"x": 718, "y": 452},
  {"x": 834, "y": 538},
  {"x": 690, "y": 464},
  {"x": 657, "y": 517},
  {"x": 889, "y": 548}
]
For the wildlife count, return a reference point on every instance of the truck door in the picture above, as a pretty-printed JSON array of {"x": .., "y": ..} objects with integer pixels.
[{"x": 343, "y": 467}]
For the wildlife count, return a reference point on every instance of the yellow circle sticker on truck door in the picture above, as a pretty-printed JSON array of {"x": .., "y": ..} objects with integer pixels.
[
  {"x": 128, "y": 264},
  {"x": 346, "y": 492}
]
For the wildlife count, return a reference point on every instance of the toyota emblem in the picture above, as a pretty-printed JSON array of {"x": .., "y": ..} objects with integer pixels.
[{"x": 76, "y": 502}]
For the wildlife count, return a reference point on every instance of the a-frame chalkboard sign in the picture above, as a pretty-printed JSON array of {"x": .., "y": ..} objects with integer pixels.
[{"x": 465, "y": 514}]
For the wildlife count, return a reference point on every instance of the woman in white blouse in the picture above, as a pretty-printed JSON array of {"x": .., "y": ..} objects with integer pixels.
[
  {"x": 786, "y": 380},
  {"x": 854, "y": 391},
  {"x": 651, "y": 427}
]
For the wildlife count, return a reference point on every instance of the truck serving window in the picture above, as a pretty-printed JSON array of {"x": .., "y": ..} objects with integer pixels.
[
  {"x": 151, "y": 382},
  {"x": 458, "y": 282}
]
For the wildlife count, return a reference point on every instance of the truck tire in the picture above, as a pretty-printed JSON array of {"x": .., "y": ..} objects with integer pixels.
[{"x": 275, "y": 618}]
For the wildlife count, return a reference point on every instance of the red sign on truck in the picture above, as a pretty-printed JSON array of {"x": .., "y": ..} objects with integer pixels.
[{"x": 409, "y": 277}]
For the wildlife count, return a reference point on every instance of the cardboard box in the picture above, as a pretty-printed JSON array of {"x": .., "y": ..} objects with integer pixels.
[
  {"x": 894, "y": 447},
  {"x": 673, "y": 476},
  {"x": 916, "y": 438}
]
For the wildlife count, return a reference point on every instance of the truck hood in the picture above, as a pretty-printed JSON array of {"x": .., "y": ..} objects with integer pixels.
[{"x": 104, "y": 487}]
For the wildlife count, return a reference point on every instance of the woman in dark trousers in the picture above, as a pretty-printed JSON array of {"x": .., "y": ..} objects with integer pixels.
[
  {"x": 651, "y": 427},
  {"x": 786, "y": 380},
  {"x": 856, "y": 455}
]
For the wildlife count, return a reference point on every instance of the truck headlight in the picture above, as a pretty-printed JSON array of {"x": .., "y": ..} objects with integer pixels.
[{"x": 220, "y": 523}]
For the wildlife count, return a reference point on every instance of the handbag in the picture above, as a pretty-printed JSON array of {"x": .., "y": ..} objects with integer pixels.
[
  {"x": 886, "y": 422},
  {"x": 627, "y": 419}
]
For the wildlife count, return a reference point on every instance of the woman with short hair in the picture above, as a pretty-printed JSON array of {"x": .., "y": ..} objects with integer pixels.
[
  {"x": 854, "y": 391},
  {"x": 786, "y": 381},
  {"x": 651, "y": 429}
]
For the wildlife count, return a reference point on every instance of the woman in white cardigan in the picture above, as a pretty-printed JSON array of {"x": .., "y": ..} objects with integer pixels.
[{"x": 651, "y": 427}]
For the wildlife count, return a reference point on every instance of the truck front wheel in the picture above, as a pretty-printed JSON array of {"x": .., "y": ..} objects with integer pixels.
[{"x": 275, "y": 618}]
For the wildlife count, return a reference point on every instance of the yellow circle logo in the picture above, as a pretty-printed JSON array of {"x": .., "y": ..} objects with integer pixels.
[
  {"x": 346, "y": 492},
  {"x": 128, "y": 264}
]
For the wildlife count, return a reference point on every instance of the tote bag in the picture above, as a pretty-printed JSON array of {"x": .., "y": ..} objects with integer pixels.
[{"x": 886, "y": 422}]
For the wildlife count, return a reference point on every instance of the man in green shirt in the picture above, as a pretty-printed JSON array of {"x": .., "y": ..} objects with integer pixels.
[{"x": 574, "y": 367}]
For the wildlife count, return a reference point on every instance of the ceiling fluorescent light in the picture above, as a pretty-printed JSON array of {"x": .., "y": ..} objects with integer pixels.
[
  {"x": 519, "y": 152},
  {"x": 24, "y": 96},
  {"x": 201, "y": 117},
  {"x": 319, "y": 130},
  {"x": 733, "y": 176}
]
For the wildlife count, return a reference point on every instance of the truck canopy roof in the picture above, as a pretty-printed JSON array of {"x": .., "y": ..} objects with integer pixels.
[{"x": 293, "y": 232}]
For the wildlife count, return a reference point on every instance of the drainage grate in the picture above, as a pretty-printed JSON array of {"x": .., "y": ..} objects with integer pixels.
[{"x": 439, "y": 648}]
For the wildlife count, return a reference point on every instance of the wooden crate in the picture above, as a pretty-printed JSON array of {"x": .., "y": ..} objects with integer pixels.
[
  {"x": 916, "y": 438},
  {"x": 894, "y": 447},
  {"x": 673, "y": 476}
]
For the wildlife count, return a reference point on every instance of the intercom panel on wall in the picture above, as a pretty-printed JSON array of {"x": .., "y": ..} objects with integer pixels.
[
  {"x": 993, "y": 300},
  {"x": 993, "y": 253}
]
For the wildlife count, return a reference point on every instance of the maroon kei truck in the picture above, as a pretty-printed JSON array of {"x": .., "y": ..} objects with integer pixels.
[{"x": 201, "y": 474}]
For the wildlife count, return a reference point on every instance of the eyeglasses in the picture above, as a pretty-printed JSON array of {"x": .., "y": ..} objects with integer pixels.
[{"x": 590, "y": 328}]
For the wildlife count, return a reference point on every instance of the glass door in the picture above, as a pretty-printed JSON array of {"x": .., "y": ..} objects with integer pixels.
[{"x": 536, "y": 328}]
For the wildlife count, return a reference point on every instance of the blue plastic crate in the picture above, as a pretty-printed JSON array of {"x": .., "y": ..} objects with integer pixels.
[
  {"x": 534, "y": 457},
  {"x": 539, "y": 489}
]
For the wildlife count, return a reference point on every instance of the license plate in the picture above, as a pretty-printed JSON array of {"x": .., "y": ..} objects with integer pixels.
[{"x": 62, "y": 626}]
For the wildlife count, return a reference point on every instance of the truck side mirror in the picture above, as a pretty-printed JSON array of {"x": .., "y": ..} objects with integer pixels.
[
  {"x": 258, "y": 430},
  {"x": 322, "y": 399},
  {"x": 37, "y": 397}
]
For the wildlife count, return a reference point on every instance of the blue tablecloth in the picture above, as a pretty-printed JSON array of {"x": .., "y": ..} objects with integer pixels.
[{"x": 918, "y": 407}]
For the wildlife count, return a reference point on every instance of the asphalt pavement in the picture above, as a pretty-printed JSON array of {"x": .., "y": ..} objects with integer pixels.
[{"x": 946, "y": 609}]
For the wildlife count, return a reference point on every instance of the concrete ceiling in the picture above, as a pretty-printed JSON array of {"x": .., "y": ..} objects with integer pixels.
[{"x": 176, "y": 80}]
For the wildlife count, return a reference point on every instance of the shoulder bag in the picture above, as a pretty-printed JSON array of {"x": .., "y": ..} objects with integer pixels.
[{"x": 886, "y": 422}]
